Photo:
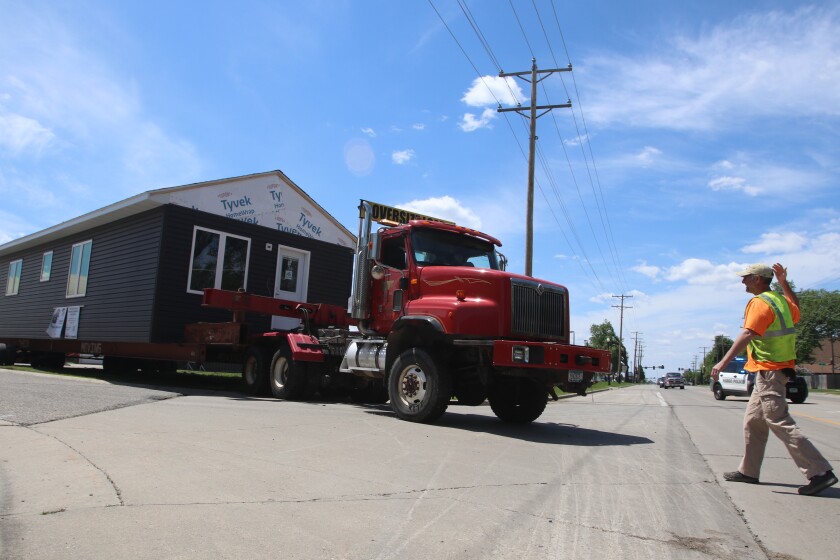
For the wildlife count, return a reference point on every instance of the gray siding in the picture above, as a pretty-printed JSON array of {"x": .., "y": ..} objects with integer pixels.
[{"x": 118, "y": 302}]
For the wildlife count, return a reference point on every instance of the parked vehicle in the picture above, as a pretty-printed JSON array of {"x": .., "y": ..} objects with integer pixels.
[
  {"x": 433, "y": 314},
  {"x": 734, "y": 380},
  {"x": 672, "y": 380}
]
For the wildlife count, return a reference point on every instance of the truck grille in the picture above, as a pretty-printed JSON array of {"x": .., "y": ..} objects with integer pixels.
[{"x": 537, "y": 310}]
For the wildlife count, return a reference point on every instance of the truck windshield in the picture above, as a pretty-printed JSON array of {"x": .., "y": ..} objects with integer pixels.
[{"x": 447, "y": 248}]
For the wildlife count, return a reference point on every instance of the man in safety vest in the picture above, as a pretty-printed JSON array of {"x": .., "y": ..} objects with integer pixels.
[{"x": 770, "y": 340}]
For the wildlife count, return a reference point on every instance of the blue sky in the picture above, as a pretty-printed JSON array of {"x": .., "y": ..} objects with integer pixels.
[{"x": 703, "y": 134}]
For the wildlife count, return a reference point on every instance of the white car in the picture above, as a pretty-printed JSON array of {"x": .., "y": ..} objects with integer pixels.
[
  {"x": 734, "y": 380},
  {"x": 737, "y": 382}
]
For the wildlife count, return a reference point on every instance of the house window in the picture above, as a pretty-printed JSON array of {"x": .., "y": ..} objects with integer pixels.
[
  {"x": 79, "y": 264},
  {"x": 13, "y": 282},
  {"x": 219, "y": 260},
  {"x": 46, "y": 266}
]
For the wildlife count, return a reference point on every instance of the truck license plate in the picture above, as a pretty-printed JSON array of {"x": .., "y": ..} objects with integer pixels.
[{"x": 575, "y": 375}]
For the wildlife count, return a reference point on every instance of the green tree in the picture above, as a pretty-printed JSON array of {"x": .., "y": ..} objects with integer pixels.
[
  {"x": 718, "y": 351},
  {"x": 603, "y": 336}
]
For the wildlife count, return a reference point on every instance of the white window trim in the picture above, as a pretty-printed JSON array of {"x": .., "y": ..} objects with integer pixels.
[
  {"x": 70, "y": 269},
  {"x": 49, "y": 273},
  {"x": 16, "y": 289},
  {"x": 220, "y": 258}
]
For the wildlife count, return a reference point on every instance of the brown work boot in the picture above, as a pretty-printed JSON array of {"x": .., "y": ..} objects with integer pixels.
[
  {"x": 818, "y": 484},
  {"x": 738, "y": 476}
]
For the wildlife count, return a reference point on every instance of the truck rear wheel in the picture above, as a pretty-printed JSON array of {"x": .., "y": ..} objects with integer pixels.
[
  {"x": 517, "y": 400},
  {"x": 288, "y": 379},
  {"x": 718, "y": 391},
  {"x": 418, "y": 387},
  {"x": 255, "y": 370}
]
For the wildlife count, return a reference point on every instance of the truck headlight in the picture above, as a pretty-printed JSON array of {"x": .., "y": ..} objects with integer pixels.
[{"x": 520, "y": 354}]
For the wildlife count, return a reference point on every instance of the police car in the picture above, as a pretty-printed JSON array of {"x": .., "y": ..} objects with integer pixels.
[{"x": 735, "y": 381}]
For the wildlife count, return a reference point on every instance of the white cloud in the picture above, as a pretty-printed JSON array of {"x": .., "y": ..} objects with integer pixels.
[
  {"x": 401, "y": 157},
  {"x": 418, "y": 126},
  {"x": 60, "y": 94},
  {"x": 493, "y": 90},
  {"x": 650, "y": 271},
  {"x": 778, "y": 243},
  {"x": 714, "y": 79},
  {"x": 728, "y": 183},
  {"x": 446, "y": 208},
  {"x": 648, "y": 155},
  {"x": 469, "y": 122},
  {"x": 752, "y": 175},
  {"x": 702, "y": 271},
  {"x": 369, "y": 132},
  {"x": 20, "y": 134}
]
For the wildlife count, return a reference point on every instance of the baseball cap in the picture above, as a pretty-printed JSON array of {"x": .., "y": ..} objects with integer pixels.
[{"x": 758, "y": 269}]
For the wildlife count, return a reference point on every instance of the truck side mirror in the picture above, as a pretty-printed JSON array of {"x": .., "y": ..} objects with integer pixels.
[
  {"x": 375, "y": 246},
  {"x": 403, "y": 283}
]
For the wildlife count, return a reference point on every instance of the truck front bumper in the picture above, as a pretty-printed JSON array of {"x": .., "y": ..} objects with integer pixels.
[{"x": 547, "y": 355}]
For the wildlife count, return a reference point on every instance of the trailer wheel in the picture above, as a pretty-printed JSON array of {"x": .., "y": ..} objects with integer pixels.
[
  {"x": 418, "y": 387},
  {"x": 517, "y": 400},
  {"x": 51, "y": 361},
  {"x": 8, "y": 354},
  {"x": 255, "y": 370},
  {"x": 288, "y": 379}
]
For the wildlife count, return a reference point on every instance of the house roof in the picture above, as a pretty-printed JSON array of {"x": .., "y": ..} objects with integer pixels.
[{"x": 141, "y": 203}]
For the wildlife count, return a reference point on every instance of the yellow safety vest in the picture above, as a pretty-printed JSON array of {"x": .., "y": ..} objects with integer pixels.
[{"x": 778, "y": 344}]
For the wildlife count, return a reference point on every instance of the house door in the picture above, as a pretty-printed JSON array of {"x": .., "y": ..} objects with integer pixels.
[{"x": 290, "y": 282}]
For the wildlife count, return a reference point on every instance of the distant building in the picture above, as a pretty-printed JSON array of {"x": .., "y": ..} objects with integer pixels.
[{"x": 826, "y": 367}]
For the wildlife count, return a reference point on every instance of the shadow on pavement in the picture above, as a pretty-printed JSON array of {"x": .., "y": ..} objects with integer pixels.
[{"x": 537, "y": 432}]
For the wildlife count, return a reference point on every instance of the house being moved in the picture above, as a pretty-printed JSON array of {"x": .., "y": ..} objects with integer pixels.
[{"x": 134, "y": 271}]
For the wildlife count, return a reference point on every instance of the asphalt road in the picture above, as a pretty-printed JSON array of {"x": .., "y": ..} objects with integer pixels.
[{"x": 133, "y": 472}]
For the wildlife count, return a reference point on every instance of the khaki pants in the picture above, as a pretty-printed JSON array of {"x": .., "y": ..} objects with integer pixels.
[{"x": 766, "y": 411}]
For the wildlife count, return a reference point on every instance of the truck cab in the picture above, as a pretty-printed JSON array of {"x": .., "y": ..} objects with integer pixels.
[{"x": 441, "y": 317}]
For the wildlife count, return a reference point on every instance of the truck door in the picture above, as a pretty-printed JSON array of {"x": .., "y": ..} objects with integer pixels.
[
  {"x": 290, "y": 282},
  {"x": 387, "y": 296}
]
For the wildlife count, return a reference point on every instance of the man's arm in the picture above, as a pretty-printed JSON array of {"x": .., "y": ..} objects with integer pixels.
[
  {"x": 781, "y": 278},
  {"x": 737, "y": 347}
]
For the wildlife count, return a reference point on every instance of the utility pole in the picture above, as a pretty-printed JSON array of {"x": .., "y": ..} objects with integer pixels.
[
  {"x": 621, "y": 327},
  {"x": 635, "y": 352},
  {"x": 533, "y": 116},
  {"x": 703, "y": 364}
]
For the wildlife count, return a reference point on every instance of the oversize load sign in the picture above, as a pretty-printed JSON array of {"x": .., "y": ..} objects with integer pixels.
[{"x": 381, "y": 212}]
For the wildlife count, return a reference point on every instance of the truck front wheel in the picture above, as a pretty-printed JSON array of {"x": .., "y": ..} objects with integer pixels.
[
  {"x": 517, "y": 400},
  {"x": 419, "y": 389}
]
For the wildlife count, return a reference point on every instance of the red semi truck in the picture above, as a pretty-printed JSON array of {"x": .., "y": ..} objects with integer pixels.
[{"x": 432, "y": 315}]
